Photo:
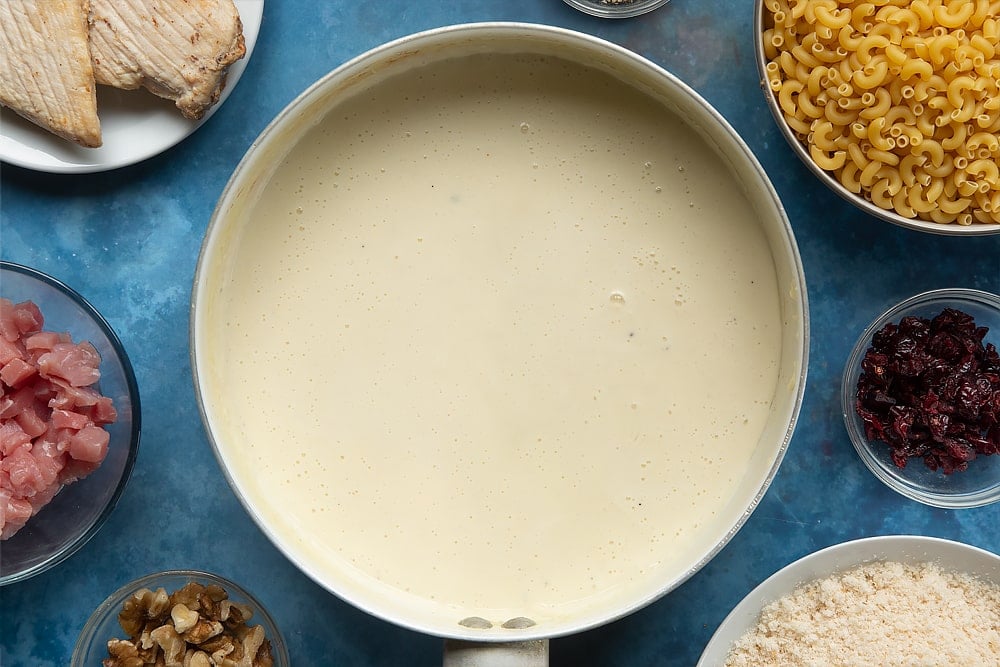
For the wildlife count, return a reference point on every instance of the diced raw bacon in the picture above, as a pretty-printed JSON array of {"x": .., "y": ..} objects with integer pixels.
[
  {"x": 19, "y": 319},
  {"x": 25, "y": 477},
  {"x": 14, "y": 513},
  {"x": 31, "y": 421},
  {"x": 68, "y": 419},
  {"x": 68, "y": 397},
  {"x": 28, "y": 318},
  {"x": 77, "y": 364},
  {"x": 12, "y": 436},
  {"x": 57, "y": 437},
  {"x": 89, "y": 444},
  {"x": 16, "y": 372},
  {"x": 51, "y": 413},
  {"x": 8, "y": 327},
  {"x": 103, "y": 412},
  {"x": 20, "y": 399},
  {"x": 44, "y": 340},
  {"x": 50, "y": 461},
  {"x": 10, "y": 350}
]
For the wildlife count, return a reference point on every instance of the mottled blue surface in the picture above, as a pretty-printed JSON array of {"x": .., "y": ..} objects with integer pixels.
[{"x": 128, "y": 240}]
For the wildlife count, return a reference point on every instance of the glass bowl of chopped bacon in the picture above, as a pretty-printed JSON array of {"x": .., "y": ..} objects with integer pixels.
[
  {"x": 921, "y": 398},
  {"x": 69, "y": 421}
]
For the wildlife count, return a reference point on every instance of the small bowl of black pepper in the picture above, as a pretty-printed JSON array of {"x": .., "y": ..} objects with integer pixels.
[
  {"x": 921, "y": 398},
  {"x": 616, "y": 9}
]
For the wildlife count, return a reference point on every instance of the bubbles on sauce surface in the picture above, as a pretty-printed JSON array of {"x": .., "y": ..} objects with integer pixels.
[{"x": 593, "y": 237}]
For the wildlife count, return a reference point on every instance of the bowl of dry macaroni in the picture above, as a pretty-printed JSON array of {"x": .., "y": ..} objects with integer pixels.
[{"x": 895, "y": 106}]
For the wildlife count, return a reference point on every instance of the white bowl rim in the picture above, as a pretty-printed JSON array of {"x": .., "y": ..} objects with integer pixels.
[{"x": 834, "y": 559}]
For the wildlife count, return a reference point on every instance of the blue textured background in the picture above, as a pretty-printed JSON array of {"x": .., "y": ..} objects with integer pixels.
[{"x": 128, "y": 240}]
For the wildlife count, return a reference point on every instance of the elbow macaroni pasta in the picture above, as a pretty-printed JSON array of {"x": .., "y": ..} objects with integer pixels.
[{"x": 898, "y": 99}]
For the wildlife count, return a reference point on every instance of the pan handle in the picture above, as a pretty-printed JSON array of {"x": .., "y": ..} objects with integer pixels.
[{"x": 492, "y": 654}]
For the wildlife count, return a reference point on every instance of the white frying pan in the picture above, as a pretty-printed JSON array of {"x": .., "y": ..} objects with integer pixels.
[{"x": 608, "y": 500}]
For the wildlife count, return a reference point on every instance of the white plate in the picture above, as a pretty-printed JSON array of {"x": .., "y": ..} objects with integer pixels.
[
  {"x": 135, "y": 124},
  {"x": 910, "y": 549}
]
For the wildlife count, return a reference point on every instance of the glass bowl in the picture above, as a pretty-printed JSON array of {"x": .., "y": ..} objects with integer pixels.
[
  {"x": 616, "y": 9},
  {"x": 978, "y": 485},
  {"x": 76, "y": 513},
  {"x": 914, "y": 550},
  {"x": 92, "y": 644},
  {"x": 854, "y": 100}
]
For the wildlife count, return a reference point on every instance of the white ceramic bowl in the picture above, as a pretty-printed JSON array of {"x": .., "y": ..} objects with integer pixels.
[
  {"x": 79, "y": 510},
  {"x": 974, "y": 487},
  {"x": 908, "y": 549},
  {"x": 761, "y": 21}
]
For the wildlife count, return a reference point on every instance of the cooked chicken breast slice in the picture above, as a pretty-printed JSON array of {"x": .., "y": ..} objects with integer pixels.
[
  {"x": 177, "y": 49},
  {"x": 46, "y": 74}
]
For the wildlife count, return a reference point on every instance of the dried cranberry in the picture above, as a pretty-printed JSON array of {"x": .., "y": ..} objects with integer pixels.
[{"x": 930, "y": 389}]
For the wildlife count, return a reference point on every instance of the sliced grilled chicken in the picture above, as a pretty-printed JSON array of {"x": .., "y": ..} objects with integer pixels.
[
  {"x": 46, "y": 74},
  {"x": 177, "y": 49}
]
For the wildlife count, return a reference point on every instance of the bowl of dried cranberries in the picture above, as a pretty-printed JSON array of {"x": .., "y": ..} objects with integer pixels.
[{"x": 921, "y": 398}]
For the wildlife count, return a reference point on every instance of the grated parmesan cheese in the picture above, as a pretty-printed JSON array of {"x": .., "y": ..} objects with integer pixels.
[{"x": 884, "y": 613}]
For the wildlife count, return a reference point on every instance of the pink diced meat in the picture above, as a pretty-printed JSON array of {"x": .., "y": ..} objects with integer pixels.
[
  {"x": 103, "y": 412},
  {"x": 89, "y": 444},
  {"x": 10, "y": 350},
  {"x": 44, "y": 341},
  {"x": 67, "y": 419},
  {"x": 14, "y": 513},
  {"x": 76, "y": 364},
  {"x": 31, "y": 421},
  {"x": 16, "y": 372},
  {"x": 17, "y": 319},
  {"x": 16, "y": 401},
  {"x": 12, "y": 436},
  {"x": 22, "y": 469},
  {"x": 51, "y": 413}
]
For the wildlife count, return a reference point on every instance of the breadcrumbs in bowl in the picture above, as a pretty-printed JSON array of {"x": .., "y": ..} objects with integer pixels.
[
  {"x": 58, "y": 492},
  {"x": 185, "y": 605},
  {"x": 920, "y": 419},
  {"x": 895, "y": 107},
  {"x": 869, "y": 602}
]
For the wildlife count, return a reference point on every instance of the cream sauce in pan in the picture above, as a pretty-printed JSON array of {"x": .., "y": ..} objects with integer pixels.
[{"x": 501, "y": 336}]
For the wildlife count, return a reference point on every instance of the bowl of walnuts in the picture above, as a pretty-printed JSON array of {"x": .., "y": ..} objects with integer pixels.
[
  {"x": 895, "y": 108},
  {"x": 180, "y": 617}
]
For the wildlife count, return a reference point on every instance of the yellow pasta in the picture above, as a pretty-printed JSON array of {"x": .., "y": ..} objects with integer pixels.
[
  {"x": 827, "y": 160},
  {"x": 954, "y": 14},
  {"x": 849, "y": 177},
  {"x": 822, "y": 136},
  {"x": 898, "y": 99}
]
